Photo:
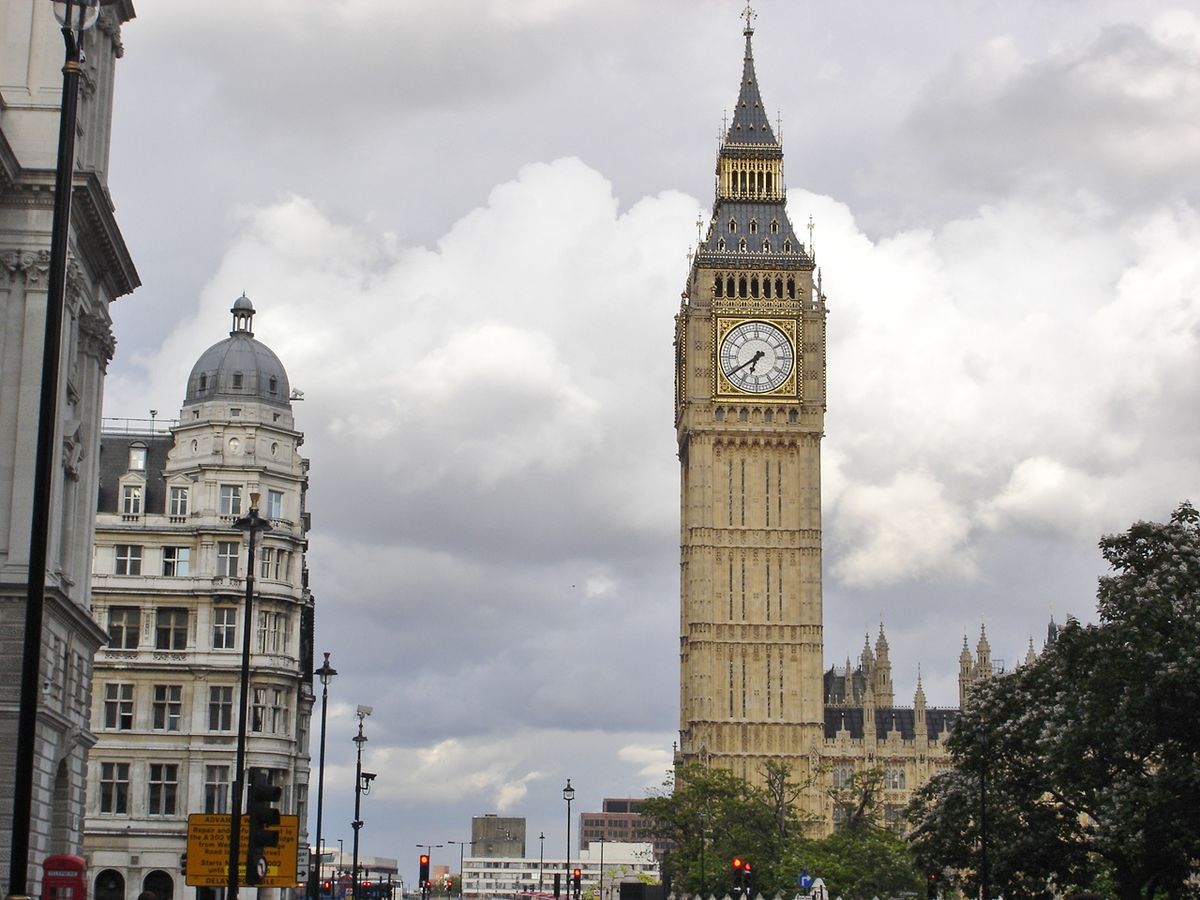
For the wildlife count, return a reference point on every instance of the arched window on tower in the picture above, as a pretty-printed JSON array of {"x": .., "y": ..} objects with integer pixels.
[
  {"x": 742, "y": 286},
  {"x": 779, "y": 288},
  {"x": 787, "y": 246},
  {"x": 791, "y": 288},
  {"x": 770, "y": 183},
  {"x": 774, "y": 226},
  {"x": 729, "y": 286},
  {"x": 742, "y": 245},
  {"x": 754, "y": 286},
  {"x": 718, "y": 286},
  {"x": 766, "y": 246},
  {"x": 754, "y": 226},
  {"x": 732, "y": 225},
  {"x": 767, "y": 287}
]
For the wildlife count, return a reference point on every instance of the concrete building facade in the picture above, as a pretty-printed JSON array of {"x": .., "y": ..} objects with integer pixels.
[
  {"x": 99, "y": 270},
  {"x": 169, "y": 589}
]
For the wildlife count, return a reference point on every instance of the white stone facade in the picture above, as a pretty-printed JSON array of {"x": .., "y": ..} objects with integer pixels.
[
  {"x": 99, "y": 270},
  {"x": 169, "y": 587}
]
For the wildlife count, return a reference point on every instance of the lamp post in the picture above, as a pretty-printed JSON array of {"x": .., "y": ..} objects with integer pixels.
[
  {"x": 981, "y": 732},
  {"x": 461, "y": 844},
  {"x": 601, "y": 888},
  {"x": 428, "y": 848},
  {"x": 568, "y": 795},
  {"x": 252, "y": 524},
  {"x": 325, "y": 673},
  {"x": 75, "y": 17},
  {"x": 541, "y": 858},
  {"x": 362, "y": 785}
]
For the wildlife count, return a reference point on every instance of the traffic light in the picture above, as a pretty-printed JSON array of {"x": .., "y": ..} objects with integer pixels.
[
  {"x": 557, "y": 885},
  {"x": 748, "y": 878},
  {"x": 424, "y": 863},
  {"x": 737, "y": 865},
  {"x": 576, "y": 878},
  {"x": 264, "y": 819},
  {"x": 183, "y": 863},
  {"x": 931, "y": 886}
]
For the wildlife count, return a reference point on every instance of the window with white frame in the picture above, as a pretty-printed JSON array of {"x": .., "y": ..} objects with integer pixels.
[
  {"x": 118, "y": 706},
  {"x": 176, "y": 561},
  {"x": 114, "y": 788},
  {"x": 167, "y": 709},
  {"x": 163, "y": 789},
  {"x": 283, "y": 565},
  {"x": 137, "y": 458},
  {"x": 227, "y": 558},
  {"x": 258, "y": 709},
  {"x": 278, "y": 711},
  {"x": 124, "y": 627},
  {"x": 274, "y": 504},
  {"x": 177, "y": 502},
  {"x": 131, "y": 500},
  {"x": 216, "y": 789},
  {"x": 129, "y": 559},
  {"x": 273, "y": 631},
  {"x": 220, "y": 708},
  {"x": 230, "y": 499},
  {"x": 170, "y": 628},
  {"x": 265, "y": 556},
  {"x": 224, "y": 628}
]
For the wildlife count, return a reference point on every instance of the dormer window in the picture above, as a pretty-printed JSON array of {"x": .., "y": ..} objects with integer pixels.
[
  {"x": 774, "y": 226},
  {"x": 203, "y": 382},
  {"x": 273, "y": 386},
  {"x": 721, "y": 244},
  {"x": 766, "y": 246},
  {"x": 742, "y": 245},
  {"x": 237, "y": 381},
  {"x": 787, "y": 246},
  {"x": 137, "y": 458},
  {"x": 732, "y": 225},
  {"x": 754, "y": 226}
]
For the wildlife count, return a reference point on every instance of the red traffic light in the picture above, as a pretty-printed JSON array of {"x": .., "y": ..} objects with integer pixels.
[
  {"x": 424, "y": 859},
  {"x": 577, "y": 872},
  {"x": 745, "y": 867}
]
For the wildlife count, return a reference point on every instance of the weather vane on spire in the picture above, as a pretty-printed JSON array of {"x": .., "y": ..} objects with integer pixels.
[{"x": 748, "y": 15}]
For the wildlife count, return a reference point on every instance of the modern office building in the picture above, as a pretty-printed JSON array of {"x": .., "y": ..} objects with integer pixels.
[
  {"x": 604, "y": 865},
  {"x": 99, "y": 270},
  {"x": 169, "y": 588}
]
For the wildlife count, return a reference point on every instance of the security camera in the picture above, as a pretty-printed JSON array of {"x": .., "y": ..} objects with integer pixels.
[
  {"x": 368, "y": 777},
  {"x": 365, "y": 710}
]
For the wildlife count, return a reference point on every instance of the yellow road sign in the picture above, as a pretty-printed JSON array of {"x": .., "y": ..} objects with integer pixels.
[{"x": 208, "y": 852}]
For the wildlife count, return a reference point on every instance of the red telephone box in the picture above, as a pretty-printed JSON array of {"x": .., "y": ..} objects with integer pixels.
[{"x": 64, "y": 877}]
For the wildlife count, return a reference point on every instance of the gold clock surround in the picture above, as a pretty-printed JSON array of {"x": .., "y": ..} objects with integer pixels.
[{"x": 789, "y": 390}]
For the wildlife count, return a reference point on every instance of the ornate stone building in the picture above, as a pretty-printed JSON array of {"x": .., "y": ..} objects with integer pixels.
[
  {"x": 99, "y": 271},
  {"x": 169, "y": 587},
  {"x": 750, "y": 415}
]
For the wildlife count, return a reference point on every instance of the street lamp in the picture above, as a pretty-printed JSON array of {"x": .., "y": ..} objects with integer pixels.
[
  {"x": 461, "y": 844},
  {"x": 75, "y": 17},
  {"x": 325, "y": 673},
  {"x": 252, "y": 524},
  {"x": 428, "y": 848},
  {"x": 568, "y": 795},
  {"x": 362, "y": 785},
  {"x": 541, "y": 858}
]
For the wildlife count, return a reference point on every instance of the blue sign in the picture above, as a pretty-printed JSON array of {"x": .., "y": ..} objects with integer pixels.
[{"x": 804, "y": 880}]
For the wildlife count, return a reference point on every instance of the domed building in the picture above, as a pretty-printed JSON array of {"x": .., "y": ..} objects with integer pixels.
[{"x": 169, "y": 587}]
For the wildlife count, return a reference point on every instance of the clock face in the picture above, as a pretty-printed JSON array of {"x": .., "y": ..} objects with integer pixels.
[{"x": 756, "y": 357}]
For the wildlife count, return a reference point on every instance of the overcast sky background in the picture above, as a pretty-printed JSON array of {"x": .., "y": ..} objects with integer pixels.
[{"x": 465, "y": 227}]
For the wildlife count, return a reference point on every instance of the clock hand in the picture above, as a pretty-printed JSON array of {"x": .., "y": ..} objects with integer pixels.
[{"x": 751, "y": 361}]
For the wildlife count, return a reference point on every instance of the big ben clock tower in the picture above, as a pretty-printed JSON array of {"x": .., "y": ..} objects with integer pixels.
[{"x": 749, "y": 413}]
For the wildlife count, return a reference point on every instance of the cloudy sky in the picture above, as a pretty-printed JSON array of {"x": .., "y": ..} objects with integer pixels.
[{"x": 465, "y": 226}]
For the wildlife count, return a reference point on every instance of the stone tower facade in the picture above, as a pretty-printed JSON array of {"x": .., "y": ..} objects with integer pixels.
[
  {"x": 169, "y": 588},
  {"x": 749, "y": 416},
  {"x": 99, "y": 270}
]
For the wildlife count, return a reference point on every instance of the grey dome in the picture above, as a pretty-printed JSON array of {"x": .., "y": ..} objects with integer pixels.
[{"x": 239, "y": 367}]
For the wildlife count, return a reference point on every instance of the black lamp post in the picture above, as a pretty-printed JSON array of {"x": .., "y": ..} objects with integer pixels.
[
  {"x": 75, "y": 17},
  {"x": 428, "y": 848},
  {"x": 541, "y": 858},
  {"x": 461, "y": 844},
  {"x": 568, "y": 795},
  {"x": 985, "y": 891},
  {"x": 362, "y": 785},
  {"x": 325, "y": 673},
  {"x": 252, "y": 524}
]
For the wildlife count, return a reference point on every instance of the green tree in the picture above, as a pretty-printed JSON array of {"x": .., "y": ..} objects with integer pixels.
[
  {"x": 858, "y": 864},
  {"x": 1088, "y": 756},
  {"x": 709, "y": 816}
]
